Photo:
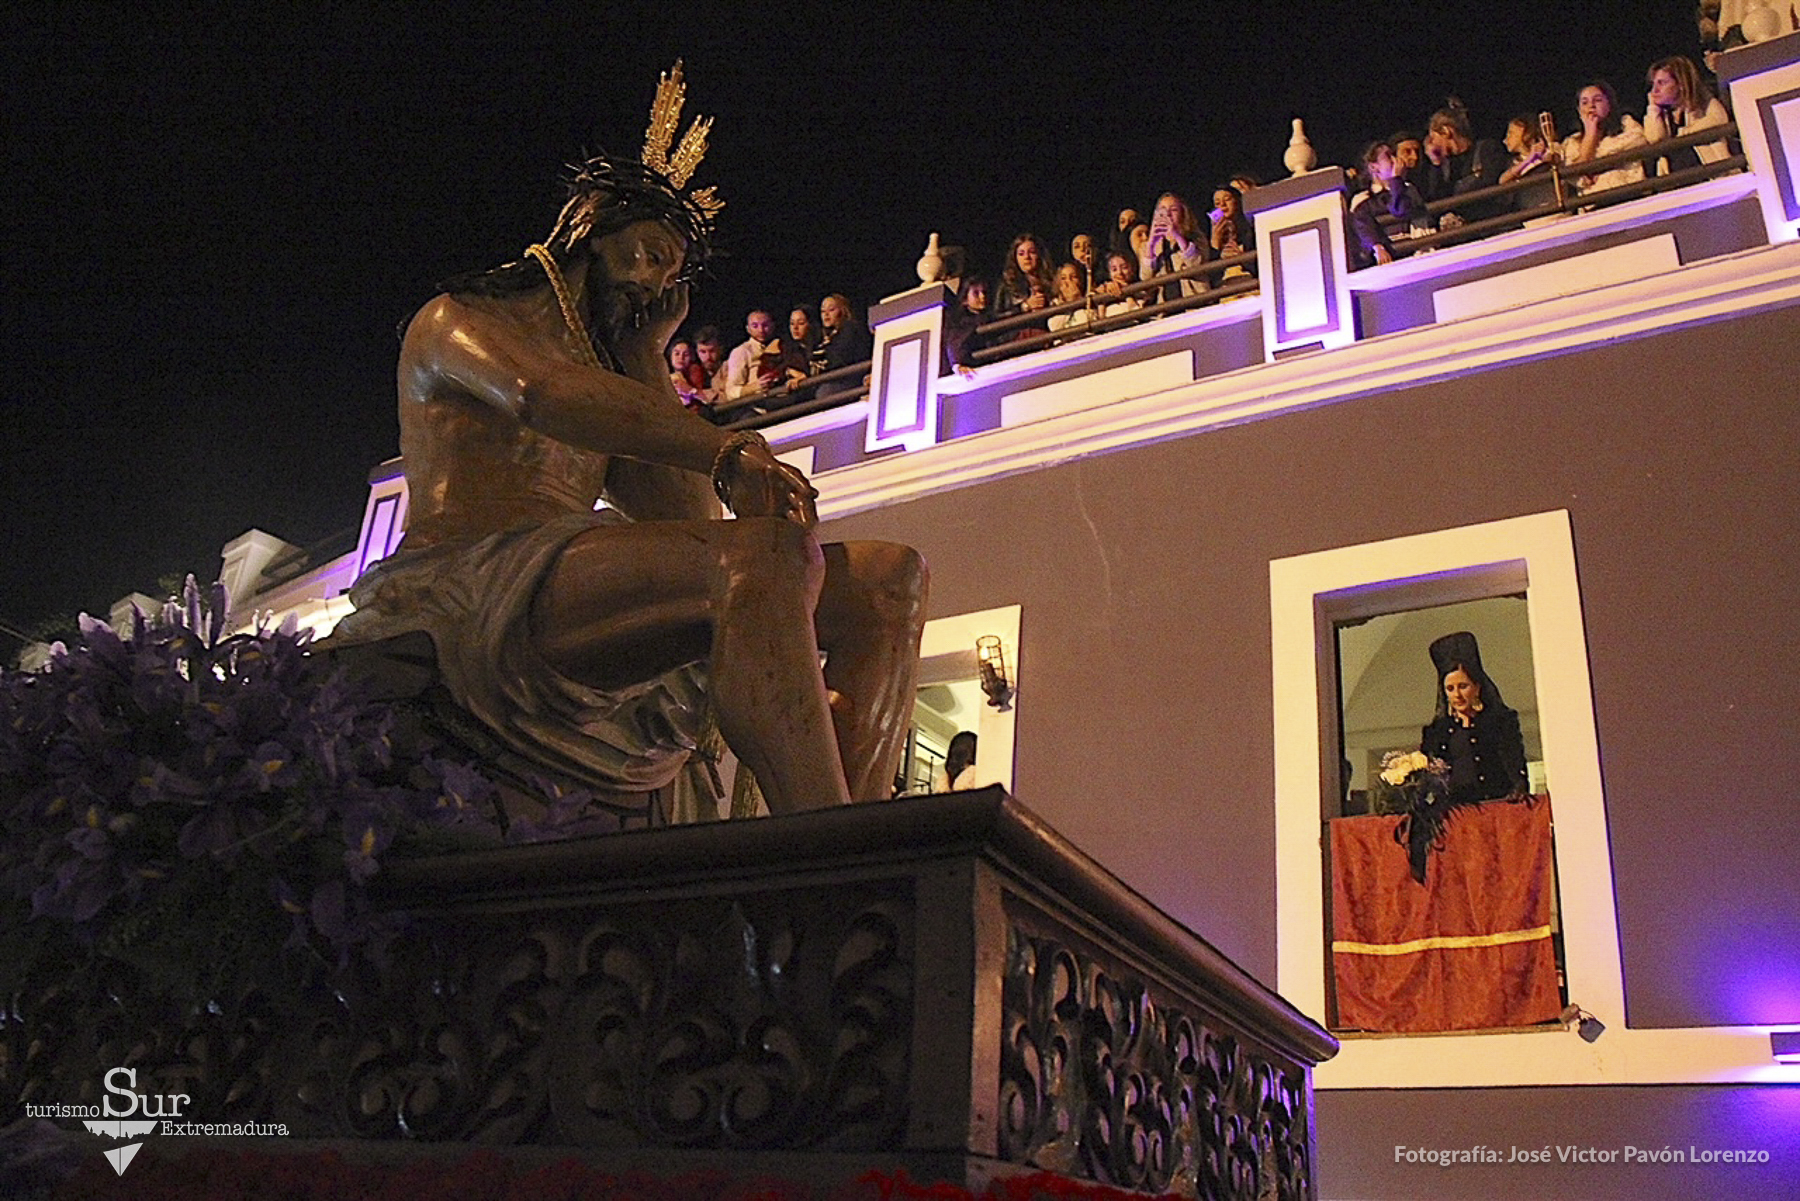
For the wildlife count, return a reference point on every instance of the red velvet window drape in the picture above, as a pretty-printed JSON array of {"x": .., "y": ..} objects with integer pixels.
[{"x": 1470, "y": 949}]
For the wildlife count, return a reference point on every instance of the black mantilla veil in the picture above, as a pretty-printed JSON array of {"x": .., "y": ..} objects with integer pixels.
[
  {"x": 1461, "y": 650},
  {"x": 605, "y": 195}
]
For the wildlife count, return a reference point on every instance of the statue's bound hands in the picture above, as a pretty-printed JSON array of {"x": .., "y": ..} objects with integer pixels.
[{"x": 760, "y": 485}]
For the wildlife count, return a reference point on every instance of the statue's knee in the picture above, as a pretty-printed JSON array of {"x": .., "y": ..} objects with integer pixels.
[
  {"x": 775, "y": 547},
  {"x": 906, "y": 568},
  {"x": 894, "y": 575}
]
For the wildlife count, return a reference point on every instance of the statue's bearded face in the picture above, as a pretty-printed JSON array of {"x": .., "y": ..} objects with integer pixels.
[{"x": 633, "y": 268}]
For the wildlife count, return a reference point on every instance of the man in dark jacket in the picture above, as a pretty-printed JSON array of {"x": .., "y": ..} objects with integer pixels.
[{"x": 1459, "y": 164}]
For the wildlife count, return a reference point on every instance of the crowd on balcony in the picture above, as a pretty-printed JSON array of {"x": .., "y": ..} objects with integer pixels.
[
  {"x": 1409, "y": 186},
  {"x": 766, "y": 368},
  {"x": 1405, "y": 188}
]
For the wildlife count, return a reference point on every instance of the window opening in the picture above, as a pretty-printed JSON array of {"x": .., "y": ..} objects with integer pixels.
[
  {"x": 1387, "y": 684},
  {"x": 948, "y": 703}
]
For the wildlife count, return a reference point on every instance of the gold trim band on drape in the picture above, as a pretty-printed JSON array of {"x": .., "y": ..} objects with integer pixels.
[{"x": 1446, "y": 942}]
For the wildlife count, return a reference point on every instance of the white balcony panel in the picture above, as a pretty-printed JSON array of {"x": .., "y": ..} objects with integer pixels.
[
  {"x": 1564, "y": 277},
  {"x": 1115, "y": 383}
]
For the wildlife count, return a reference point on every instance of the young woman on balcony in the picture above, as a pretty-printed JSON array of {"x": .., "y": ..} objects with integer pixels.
[
  {"x": 803, "y": 332},
  {"x": 1531, "y": 156},
  {"x": 1138, "y": 239},
  {"x": 1121, "y": 271},
  {"x": 1071, "y": 285},
  {"x": 1025, "y": 284},
  {"x": 960, "y": 338},
  {"x": 1604, "y": 131},
  {"x": 1121, "y": 237},
  {"x": 1385, "y": 190},
  {"x": 1084, "y": 250},
  {"x": 1231, "y": 229},
  {"x": 1175, "y": 243},
  {"x": 1681, "y": 103},
  {"x": 691, "y": 379}
]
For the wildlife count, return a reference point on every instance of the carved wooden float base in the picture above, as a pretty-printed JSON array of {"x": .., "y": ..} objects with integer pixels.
[{"x": 940, "y": 983}]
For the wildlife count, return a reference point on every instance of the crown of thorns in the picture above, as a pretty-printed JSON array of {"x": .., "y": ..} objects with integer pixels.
[{"x": 607, "y": 193}]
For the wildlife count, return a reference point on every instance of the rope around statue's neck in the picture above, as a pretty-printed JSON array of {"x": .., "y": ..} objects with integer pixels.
[{"x": 584, "y": 344}]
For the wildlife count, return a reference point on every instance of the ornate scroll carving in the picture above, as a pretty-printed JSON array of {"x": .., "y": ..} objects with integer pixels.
[
  {"x": 781, "y": 1026},
  {"x": 917, "y": 984},
  {"x": 1101, "y": 1078},
  {"x": 769, "y": 1021}
]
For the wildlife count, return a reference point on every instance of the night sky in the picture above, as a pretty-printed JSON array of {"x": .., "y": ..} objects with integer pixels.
[{"x": 211, "y": 230}]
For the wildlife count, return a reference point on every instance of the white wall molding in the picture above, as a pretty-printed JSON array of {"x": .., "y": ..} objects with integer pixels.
[{"x": 1717, "y": 289}]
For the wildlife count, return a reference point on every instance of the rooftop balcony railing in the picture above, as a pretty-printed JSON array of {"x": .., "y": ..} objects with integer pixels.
[
  {"x": 1023, "y": 334},
  {"x": 797, "y": 399},
  {"x": 1307, "y": 297},
  {"x": 1094, "y": 303},
  {"x": 1571, "y": 198}
]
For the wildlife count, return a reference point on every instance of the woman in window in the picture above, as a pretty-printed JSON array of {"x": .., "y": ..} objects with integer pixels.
[
  {"x": 958, "y": 772},
  {"x": 1476, "y": 734},
  {"x": 1474, "y": 730}
]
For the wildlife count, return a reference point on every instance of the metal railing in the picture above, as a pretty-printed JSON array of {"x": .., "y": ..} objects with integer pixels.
[
  {"x": 790, "y": 400},
  {"x": 1561, "y": 177},
  {"x": 1095, "y": 302},
  {"x": 750, "y": 415}
]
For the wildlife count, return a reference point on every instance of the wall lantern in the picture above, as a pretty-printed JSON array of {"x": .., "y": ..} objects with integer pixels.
[{"x": 990, "y": 661}]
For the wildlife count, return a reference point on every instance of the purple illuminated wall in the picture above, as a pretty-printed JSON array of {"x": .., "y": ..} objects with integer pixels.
[{"x": 1144, "y": 716}]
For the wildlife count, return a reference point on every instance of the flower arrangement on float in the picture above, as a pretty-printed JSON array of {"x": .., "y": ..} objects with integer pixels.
[{"x": 209, "y": 808}]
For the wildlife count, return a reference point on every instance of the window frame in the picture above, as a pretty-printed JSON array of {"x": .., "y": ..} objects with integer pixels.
[
  {"x": 955, "y": 635},
  {"x": 1534, "y": 554}
]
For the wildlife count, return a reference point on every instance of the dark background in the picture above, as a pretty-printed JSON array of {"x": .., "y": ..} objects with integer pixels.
[{"x": 211, "y": 228}]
